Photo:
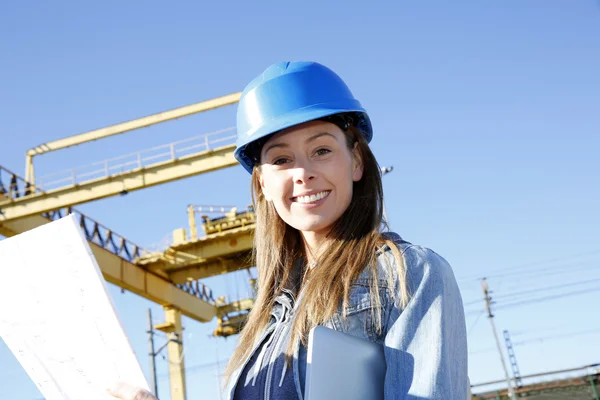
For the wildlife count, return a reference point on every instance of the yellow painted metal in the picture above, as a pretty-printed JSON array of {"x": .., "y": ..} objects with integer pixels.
[
  {"x": 29, "y": 169},
  {"x": 206, "y": 269},
  {"x": 175, "y": 354},
  {"x": 210, "y": 255},
  {"x": 216, "y": 245},
  {"x": 125, "y": 127},
  {"x": 227, "y": 250},
  {"x": 192, "y": 222},
  {"x": 231, "y": 220},
  {"x": 166, "y": 327},
  {"x": 130, "y": 276},
  {"x": 179, "y": 236},
  {"x": 236, "y": 306},
  {"x": 140, "y": 178},
  {"x": 228, "y": 325},
  {"x": 21, "y": 214}
]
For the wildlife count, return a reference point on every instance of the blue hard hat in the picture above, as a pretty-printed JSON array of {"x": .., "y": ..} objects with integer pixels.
[{"x": 288, "y": 94}]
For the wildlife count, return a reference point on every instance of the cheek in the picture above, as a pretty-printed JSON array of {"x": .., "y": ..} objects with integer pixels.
[{"x": 275, "y": 190}]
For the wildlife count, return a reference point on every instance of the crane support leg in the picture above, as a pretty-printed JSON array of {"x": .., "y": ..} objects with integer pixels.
[{"x": 175, "y": 354}]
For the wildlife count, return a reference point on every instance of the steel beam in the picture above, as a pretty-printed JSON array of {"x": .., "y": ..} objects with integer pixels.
[
  {"x": 126, "y": 127},
  {"x": 211, "y": 255},
  {"x": 210, "y": 268},
  {"x": 140, "y": 178},
  {"x": 220, "y": 244},
  {"x": 242, "y": 305},
  {"x": 130, "y": 276}
]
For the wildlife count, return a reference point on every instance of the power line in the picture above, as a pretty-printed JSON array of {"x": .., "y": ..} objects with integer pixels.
[
  {"x": 545, "y": 298},
  {"x": 475, "y": 322},
  {"x": 540, "y": 339},
  {"x": 534, "y": 300},
  {"x": 546, "y": 288},
  {"x": 218, "y": 366},
  {"x": 555, "y": 270},
  {"x": 545, "y": 329},
  {"x": 197, "y": 367},
  {"x": 552, "y": 337},
  {"x": 486, "y": 296},
  {"x": 545, "y": 275},
  {"x": 543, "y": 270},
  {"x": 549, "y": 272},
  {"x": 534, "y": 263},
  {"x": 577, "y": 255},
  {"x": 474, "y": 312},
  {"x": 469, "y": 303}
]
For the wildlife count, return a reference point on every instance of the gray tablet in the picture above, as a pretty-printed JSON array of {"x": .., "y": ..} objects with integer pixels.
[{"x": 341, "y": 366}]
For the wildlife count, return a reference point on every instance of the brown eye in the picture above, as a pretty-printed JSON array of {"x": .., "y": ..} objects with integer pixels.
[
  {"x": 322, "y": 152},
  {"x": 280, "y": 161}
]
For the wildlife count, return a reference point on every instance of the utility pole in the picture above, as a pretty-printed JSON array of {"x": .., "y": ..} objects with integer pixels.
[
  {"x": 487, "y": 298},
  {"x": 174, "y": 347},
  {"x": 152, "y": 354}
]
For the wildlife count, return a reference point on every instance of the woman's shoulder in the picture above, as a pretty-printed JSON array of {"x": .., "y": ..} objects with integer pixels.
[{"x": 418, "y": 261}]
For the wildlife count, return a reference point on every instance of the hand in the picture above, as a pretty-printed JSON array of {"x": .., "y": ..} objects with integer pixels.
[{"x": 125, "y": 391}]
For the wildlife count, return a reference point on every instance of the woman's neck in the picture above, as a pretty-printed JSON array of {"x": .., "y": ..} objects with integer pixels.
[{"x": 312, "y": 246}]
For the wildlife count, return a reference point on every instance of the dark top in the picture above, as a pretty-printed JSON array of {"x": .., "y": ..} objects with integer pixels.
[{"x": 268, "y": 375}]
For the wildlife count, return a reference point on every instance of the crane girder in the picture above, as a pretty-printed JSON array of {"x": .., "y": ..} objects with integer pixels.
[
  {"x": 136, "y": 124},
  {"x": 124, "y": 273},
  {"x": 201, "y": 269},
  {"x": 216, "y": 245},
  {"x": 24, "y": 205},
  {"x": 39, "y": 202},
  {"x": 232, "y": 317},
  {"x": 143, "y": 122},
  {"x": 236, "y": 306},
  {"x": 211, "y": 255}
]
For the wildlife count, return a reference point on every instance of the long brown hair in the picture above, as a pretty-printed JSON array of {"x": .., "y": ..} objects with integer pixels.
[{"x": 350, "y": 248}]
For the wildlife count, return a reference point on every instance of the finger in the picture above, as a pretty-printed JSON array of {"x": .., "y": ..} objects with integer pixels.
[
  {"x": 125, "y": 391},
  {"x": 122, "y": 391}
]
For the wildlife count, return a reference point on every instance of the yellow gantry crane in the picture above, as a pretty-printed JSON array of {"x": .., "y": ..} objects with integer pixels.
[{"x": 171, "y": 277}]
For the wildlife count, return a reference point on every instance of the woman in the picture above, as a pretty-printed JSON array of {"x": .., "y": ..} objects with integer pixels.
[{"x": 321, "y": 255}]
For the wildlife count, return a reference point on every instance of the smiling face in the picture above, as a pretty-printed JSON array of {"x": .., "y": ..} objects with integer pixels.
[{"x": 308, "y": 172}]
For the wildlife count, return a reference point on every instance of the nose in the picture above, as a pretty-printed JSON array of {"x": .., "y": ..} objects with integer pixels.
[{"x": 303, "y": 173}]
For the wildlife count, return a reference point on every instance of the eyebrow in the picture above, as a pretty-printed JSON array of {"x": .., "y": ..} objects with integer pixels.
[{"x": 310, "y": 139}]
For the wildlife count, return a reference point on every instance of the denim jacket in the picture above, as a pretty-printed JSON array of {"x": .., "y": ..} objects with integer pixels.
[{"x": 425, "y": 343}]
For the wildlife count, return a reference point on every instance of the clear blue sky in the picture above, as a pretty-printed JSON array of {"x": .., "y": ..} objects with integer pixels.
[{"x": 488, "y": 111}]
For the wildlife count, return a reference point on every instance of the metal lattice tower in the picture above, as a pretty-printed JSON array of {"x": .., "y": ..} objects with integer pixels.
[{"x": 513, "y": 359}]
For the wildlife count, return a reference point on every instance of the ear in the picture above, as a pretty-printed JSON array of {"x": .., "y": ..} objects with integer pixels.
[
  {"x": 357, "y": 164},
  {"x": 264, "y": 188}
]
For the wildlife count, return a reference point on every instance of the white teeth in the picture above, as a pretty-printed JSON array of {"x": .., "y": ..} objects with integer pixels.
[{"x": 312, "y": 198}]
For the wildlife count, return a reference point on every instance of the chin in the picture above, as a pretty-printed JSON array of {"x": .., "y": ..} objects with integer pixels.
[{"x": 305, "y": 225}]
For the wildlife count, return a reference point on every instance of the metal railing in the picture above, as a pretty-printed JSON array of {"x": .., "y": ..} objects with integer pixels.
[
  {"x": 138, "y": 160},
  {"x": 100, "y": 235},
  {"x": 13, "y": 186},
  {"x": 197, "y": 289}
]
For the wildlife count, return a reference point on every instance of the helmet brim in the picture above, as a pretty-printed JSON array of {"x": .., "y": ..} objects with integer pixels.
[{"x": 298, "y": 117}]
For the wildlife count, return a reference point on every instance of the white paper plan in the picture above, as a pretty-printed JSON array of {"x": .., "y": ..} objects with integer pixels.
[{"x": 57, "y": 318}]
